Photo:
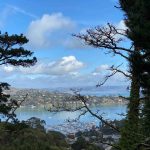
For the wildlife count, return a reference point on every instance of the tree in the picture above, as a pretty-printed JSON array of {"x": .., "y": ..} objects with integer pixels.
[
  {"x": 12, "y": 53},
  {"x": 138, "y": 23},
  {"x": 81, "y": 143},
  {"x": 137, "y": 20},
  {"x": 22, "y": 136},
  {"x": 138, "y": 58},
  {"x": 109, "y": 38}
]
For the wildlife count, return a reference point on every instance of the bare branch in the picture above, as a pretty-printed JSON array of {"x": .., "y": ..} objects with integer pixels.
[
  {"x": 82, "y": 114},
  {"x": 112, "y": 68},
  {"x": 107, "y": 37},
  {"x": 121, "y": 54},
  {"x": 99, "y": 117},
  {"x": 106, "y": 78}
]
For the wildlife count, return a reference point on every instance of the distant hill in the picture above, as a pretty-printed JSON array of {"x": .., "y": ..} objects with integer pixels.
[{"x": 64, "y": 96}]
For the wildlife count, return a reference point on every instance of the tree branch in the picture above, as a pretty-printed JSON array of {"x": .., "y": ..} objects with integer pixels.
[
  {"x": 106, "y": 37},
  {"x": 112, "y": 68},
  {"x": 99, "y": 117}
]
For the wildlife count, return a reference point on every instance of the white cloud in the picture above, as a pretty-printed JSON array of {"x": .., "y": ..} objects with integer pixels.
[
  {"x": 102, "y": 69},
  {"x": 47, "y": 30},
  {"x": 68, "y": 80},
  {"x": 121, "y": 25},
  {"x": 8, "y": 68},
  {"x": 66, "y": 65},
  {"x": 62, "y": 73}
]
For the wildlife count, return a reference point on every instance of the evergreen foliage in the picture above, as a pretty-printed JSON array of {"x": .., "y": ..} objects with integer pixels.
[
  {"x": 12, "y": 53},
  {"x": 138, "y": 22},
  {"x": 21, "y": 136},
  {"x": 82, "y": 144}
]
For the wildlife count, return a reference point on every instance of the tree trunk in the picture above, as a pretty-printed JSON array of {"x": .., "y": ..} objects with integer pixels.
[{"x": 130, "y": 133}]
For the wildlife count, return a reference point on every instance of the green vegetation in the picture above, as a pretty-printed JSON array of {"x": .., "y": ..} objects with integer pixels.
[
  {"x": 21, "y": 136},
  {"x": 135, "y": 134},
  {"x": 82, "y": 144},
  {"x": 136, "y": 127},
  {"x": 137, "y": 21},
  {"x": 12, "y": 53}
]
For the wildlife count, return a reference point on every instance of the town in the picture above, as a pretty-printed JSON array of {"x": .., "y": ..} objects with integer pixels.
[{"x": 50, "y": 99}]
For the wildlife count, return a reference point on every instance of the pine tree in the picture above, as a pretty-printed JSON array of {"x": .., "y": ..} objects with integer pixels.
[
  {"x": 131, "y": 134},
  {"x": 103, "y": 37},
  {"x": 138, "y": 23},
  {"x": 12, "y": 53},
  {"x": 137, "y": 20}
]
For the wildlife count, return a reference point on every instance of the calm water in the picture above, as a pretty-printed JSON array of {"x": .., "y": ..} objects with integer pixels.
[{"x": 108, "y": 111}]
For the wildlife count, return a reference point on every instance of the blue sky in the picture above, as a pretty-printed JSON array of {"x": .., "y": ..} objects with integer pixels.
[{"x": 63, "y": 61}]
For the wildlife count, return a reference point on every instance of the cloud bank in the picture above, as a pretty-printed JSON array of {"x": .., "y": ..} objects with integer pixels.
[{"x": 49, "y": 29}]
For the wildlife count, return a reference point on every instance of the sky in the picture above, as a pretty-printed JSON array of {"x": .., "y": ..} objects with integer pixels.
[{"x": 63, "y": 60}]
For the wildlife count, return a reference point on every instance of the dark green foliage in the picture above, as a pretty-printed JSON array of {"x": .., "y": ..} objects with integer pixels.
[
  {"x": 145, "y": 86},
  {"x": 146, "y": 118},
  {"x": 130, "y": 136},
  {"x": 130, "y": 133},
  {"x": 20, "y": 136},
  {"x": 7, "y": 104},
  {"x": 35, "y": 123},
  {"x": 30, "y": 134},
  {"x": 134, "y": 104},
  {"x": 138, "y": 21},
  {"x": 12, "y": 53},
  {"x": 82, "y": 144}
]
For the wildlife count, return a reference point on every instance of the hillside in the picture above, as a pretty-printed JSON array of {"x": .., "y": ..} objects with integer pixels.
[{"x": 39, "y": 97}]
